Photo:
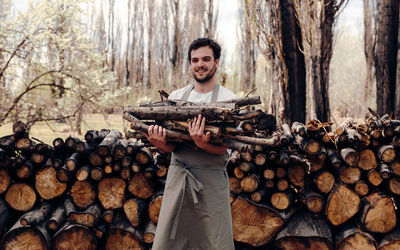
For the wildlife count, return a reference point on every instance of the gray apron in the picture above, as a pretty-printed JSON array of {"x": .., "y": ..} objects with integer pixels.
[{"x": 195, "y": 212}]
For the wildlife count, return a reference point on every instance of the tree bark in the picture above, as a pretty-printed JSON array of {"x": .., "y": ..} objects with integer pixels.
[{"x": 386, "y": 34}]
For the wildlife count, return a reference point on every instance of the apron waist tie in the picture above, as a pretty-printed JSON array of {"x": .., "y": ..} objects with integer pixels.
[{"x": 195, "y": 186}]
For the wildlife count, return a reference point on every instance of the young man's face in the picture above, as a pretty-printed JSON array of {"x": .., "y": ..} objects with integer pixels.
[{"x": 202, "y": 64}]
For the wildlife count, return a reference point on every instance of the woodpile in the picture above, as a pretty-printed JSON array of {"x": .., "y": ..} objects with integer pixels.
[
  {"x": 292, "y": 187},
  {"x": 105, "y": 191}
]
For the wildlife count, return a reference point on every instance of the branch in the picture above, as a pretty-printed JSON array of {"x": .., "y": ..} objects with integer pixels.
[
  {"x": 30, "y": 87},
  {"x": 12, "y": 56},
  {"x": 30, "y": 123}
]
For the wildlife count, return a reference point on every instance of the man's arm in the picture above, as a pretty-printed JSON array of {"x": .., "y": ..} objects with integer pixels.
[
  {"x": 157, "y": 136},
  {"x": 196, "y": 130}
]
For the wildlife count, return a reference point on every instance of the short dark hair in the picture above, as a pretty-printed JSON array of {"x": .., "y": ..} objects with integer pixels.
[{"x": 201, "y": 42}]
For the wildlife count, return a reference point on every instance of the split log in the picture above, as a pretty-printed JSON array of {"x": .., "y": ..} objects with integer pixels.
[
  {"x": 111, "y": 192},
  {"x": 122, "y": 235},
  {"x": 349, "y": 175},
  {"x": 395, "y": 167},
  {"x": 26, "y": 237},
  {"x": 387, "y": 153},
  {"x": 350, "y": 156},
  {"x": 250, "y": 183},
  {"x": 83, "y": 173},
  {"x": 149, "y": 232},
  {"x": 20, "y": 197},
  {"x": 143, "y": 156},
  {"x": 94, "y": 136},
  {"x": 72, "y": 162},
  {"x": 74, "y": 236},
  {"x": 352, "y": 238},
  {"x": 282, "y": 185},
  {"x": 140, "y": 186},
  {"x": 374, "y": 177},
  {"x": 95, "y": 159},
  {"x": 333, "y": 158},
  {"x": 304, "y": 231},
  {"x": 134, "y": 210},
  {"x": 63, "y": 175},
  {"x": 361, "y": 188},
  {"x": 5, "y": 181},
  {"x": 83, "y": 194},
  {"x": 155, "y": 207},
  {"x": 56, "y": 218},
  {"x": 87, "y": 217},
  {"x": 25, "y": 170},
  {"x": 247, "y": 167},
  {"x": 342, "y": 204},
  {"x": 282, "y": 200},
  {"x": 258, "y": 195},
  {"x": 384, "y": 170},
  {"x": 394, "y": 185},
  {"x": 253, "y": 224},
  {"x": 313, "y": 201},
  {"x": 324, "y": 181},
  {"x": 119, "y": 149},
  {"x": 296, "y": 175},
  {"x": 367, "y": 160},
  {"x": 97, "y": 173},
  {"x": 379, "y": 213},
  {"x": 108, "y": 216},
  {"x": 391, "y": 241},
  {"x": 106, "y": 146},
  {"x": 36, "y": 216}
]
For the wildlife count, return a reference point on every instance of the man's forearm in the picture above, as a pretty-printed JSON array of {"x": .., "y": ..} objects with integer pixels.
[{"x": 166, "y": 148}]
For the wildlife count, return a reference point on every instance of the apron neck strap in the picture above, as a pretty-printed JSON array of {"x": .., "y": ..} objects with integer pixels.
[{"x": 214, "y": 96}]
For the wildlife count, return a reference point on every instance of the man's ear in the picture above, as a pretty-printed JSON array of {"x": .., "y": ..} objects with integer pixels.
[{"x": 216, "y": 62}]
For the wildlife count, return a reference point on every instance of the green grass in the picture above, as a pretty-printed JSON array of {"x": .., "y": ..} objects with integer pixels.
[{"x": 47, "y": 132}]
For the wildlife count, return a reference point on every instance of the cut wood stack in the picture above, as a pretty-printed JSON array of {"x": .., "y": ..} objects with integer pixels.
[
  {"x": 105, "y": 191},
  {"x": 298, "y": 187}
]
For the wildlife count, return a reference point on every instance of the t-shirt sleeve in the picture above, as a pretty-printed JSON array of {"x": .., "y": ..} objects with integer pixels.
[{"x": 173, "y": 95}]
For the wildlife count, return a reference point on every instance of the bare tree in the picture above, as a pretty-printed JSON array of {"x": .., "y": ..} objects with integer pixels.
[
  {"x": 278, "y": 38},
  {"x": 316, "y": 19},
  {"x": 369, "y": 17},
  {"x": 150, "y": 9},
  {"x": 387, "y": 19},
  {"x": 247, "y": 50}
]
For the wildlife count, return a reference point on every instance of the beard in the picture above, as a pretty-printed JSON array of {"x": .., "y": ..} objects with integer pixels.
[{"x": 207, "y": 77}]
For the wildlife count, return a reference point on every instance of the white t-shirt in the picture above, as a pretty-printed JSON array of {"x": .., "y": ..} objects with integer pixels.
[{"x": 223, "y": 95}]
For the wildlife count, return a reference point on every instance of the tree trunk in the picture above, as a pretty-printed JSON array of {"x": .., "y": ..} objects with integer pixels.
[{"x": 386, "y": 34}]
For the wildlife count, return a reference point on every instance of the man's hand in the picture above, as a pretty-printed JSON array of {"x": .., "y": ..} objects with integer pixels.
[
  {"x": 201, "y": 139},
  {"x": 196, "y": 130},
  {"x": 157, "y": 136}
]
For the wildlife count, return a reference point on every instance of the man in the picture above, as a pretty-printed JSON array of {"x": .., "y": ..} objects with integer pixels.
[{"x": 195, "y": 212}]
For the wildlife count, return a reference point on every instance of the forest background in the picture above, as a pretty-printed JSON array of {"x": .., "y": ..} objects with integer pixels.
[{"x": 68, "y": 65}]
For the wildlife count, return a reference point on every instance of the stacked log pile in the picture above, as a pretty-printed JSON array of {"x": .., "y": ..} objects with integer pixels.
[
  {"x": 302, "y": 186},
  {"x": 297, "y": 187},
  {"x": 104, "y": 192}
]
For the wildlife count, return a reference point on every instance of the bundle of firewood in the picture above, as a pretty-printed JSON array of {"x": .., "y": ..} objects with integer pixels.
[{"x": 222, "y": 121}]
